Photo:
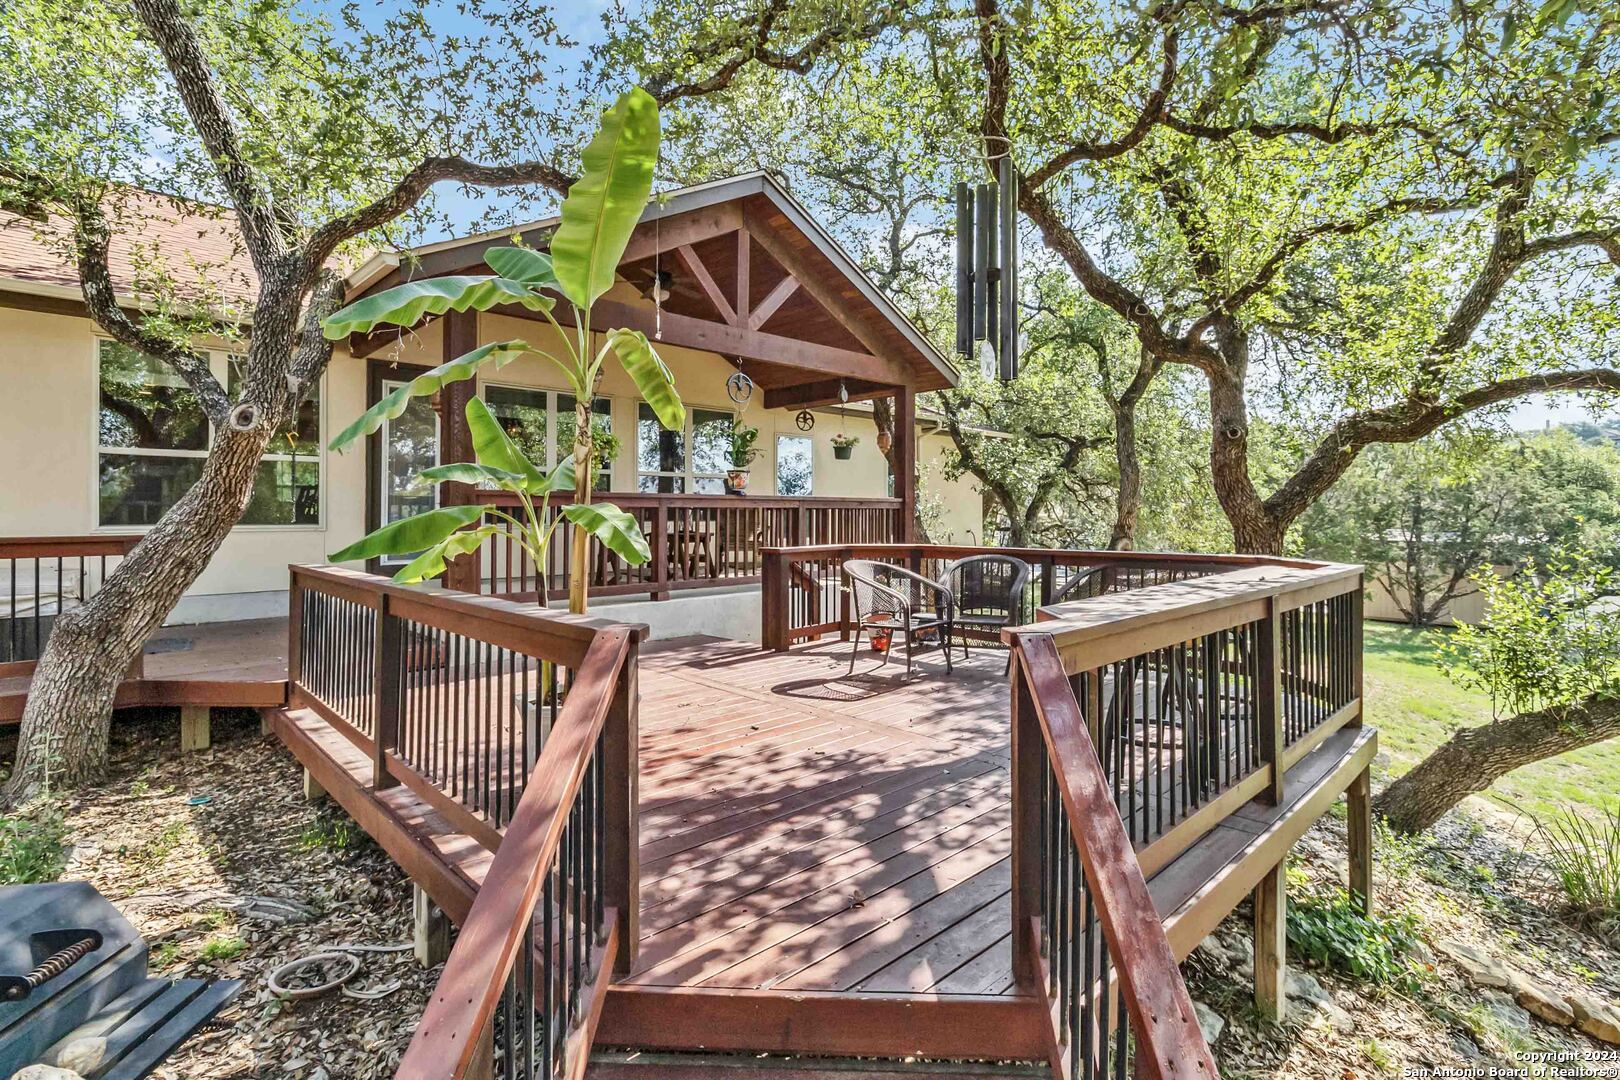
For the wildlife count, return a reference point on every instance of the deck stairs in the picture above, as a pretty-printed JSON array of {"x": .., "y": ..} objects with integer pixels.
[
  {"x": 635, "y": 1065},
  {"x": 73, "y": 973}
]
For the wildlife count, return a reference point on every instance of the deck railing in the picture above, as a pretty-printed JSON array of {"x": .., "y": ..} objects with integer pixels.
[
  {"x": 1139, "y": 724},
  {"x": 697, "y": 541},
  {"x": 804, "y": 597},
  {"x": 519, "y": 727},
  {"x": 40, "y": 578}
]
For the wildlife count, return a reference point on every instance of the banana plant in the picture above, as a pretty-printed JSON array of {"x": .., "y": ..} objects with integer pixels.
[
  {"x": 442, "y": 535},
  {"x": 598, "y": 216}
]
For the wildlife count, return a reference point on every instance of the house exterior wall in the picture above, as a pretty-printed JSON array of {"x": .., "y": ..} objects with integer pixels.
[{"x": 48, "y": 434}]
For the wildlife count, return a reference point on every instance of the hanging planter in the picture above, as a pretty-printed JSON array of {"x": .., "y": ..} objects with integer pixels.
[
  {"x": 843, "y": 446},
  {"x": 742, "y": 452}
]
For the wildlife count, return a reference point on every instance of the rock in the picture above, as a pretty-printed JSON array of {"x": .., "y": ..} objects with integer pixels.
[
  {"x": 1304, "y": 987},
  {"x": 1506, "y": 1012},
  {"x": 1597, "y": 1018},
  {"x": 1466, "y": 1048},
  {"x": 1214, "y": 952},
  {"x": 1537, "y": 1000},
  {"x": 1482, "y": 970},
  {"x": 82, "y": 1055},
  {"x": 45, "y": 1072},
  {"x": 1210, "y": 1022},
  {"x": 1419, "y": 953}
]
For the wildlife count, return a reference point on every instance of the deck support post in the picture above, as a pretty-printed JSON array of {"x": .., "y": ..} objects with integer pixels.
[
  {"x": 313, "y": 792},
  {"x": 1271, "y": 943},
  {"x": 621, "y": 826},
  {"x": 1028, "y": 784},
  {"x": 430, "y": 929},
  {"x": 194, "y": 727},
  {"x": 1358, "y": 797}
]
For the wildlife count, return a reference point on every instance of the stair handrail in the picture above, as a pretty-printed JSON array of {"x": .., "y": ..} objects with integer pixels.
[
  {"x": 454, "y": 1030},
  {"x": 1169, "y": 1042}
]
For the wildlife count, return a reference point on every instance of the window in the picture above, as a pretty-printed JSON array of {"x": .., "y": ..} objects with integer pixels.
[
  {"x": 541, "y": 422},
  {"x": 795, "y": 470},
  {"x": 663, "y": 464},
  {"x": 153, "y": 439},
  {"x": 287, "y": 490}
]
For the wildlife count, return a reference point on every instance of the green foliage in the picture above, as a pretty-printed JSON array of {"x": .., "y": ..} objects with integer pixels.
[
  {"x": 598, "y": 216},
  {"x": 1423, "y": 516},
  {"x": 845, "y": 440},
  {"x": 1583, "y": 853},
  {"x": 33, "y": 845},
  {"x": 1548, "y": 640},
  {"x": 223, "y": 947},
  {"x": 496, "y": 354},
  {"x": 604, "y": 205},
  {"x": 743, "y": 452},
  {"x": 1330, "y": 932}
]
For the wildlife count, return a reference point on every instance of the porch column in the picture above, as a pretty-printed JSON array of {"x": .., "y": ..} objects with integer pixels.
[
  {"x": 455, "y": 441},
  {"x": 904, "y": 458}
]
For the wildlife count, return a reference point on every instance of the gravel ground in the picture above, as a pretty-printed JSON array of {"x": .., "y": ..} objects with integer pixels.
[{"x": 228, "y": 872}]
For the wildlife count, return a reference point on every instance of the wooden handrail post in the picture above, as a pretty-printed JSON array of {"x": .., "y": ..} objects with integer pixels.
[
  {"x": 295, "y": 624},
  {"x": 386, "y": 688},
  {"x": 1268, "y": 698},
  {"x": 1028, "y": 787},
  {"x": 660, "y": 552},
  {"x": 1048, "y": 579},
  {"x": 621, "y": 822},
  {"x": 773, "y": 601}
]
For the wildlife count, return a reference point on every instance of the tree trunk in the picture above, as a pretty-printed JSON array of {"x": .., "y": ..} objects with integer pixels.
[
  {"x": 1128, "y": 504},
  {"x": 883, "y": 420},
  {"x": 63, "y": 738},
  {"x": 1473, "y": 759},
  {"x": 1254, "y": 530},
  {"x": 584, "y": 481}
]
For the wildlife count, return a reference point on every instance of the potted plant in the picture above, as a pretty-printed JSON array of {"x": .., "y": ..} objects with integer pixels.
[
  {"x": 742, "y": 452},
  {"x": 843, "y": 445}
]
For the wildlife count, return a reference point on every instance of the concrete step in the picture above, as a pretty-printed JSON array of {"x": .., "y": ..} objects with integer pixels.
[{"x": 636, "y": 1065}]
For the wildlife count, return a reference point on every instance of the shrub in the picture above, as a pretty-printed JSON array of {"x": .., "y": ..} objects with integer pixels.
[
  {"x": 33, "y": 846},
  {"x": 1584, "y": 855},
  {"x": 1330, "y": 932}
]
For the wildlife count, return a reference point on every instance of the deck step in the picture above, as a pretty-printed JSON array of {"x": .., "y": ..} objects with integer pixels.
[{"x": 633, "y": 1065}]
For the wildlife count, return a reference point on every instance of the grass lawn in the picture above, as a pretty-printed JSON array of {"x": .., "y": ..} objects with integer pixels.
[{"x": 1416, "y": 708}]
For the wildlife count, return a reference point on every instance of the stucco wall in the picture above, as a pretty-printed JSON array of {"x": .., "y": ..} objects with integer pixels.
[{"x": 48, "y": 435}]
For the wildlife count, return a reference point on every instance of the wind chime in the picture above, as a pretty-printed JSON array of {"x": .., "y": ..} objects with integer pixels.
[{"x": 987, "y": 274}]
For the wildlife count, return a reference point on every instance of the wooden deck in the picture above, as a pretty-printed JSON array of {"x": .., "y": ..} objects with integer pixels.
[
  {"x": 227, "y": 664},
  {"x": 804, "y": 830}
]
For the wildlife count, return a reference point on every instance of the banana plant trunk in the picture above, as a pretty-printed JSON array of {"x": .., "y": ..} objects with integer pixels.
[{"x": 584, "y": 481}]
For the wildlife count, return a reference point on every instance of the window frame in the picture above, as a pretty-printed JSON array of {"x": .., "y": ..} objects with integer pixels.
[
  {"x": 219, "y": 364},
  {"x": 551, "y": 396},
  {"x": 689, "y": 474},
  {"x": 776, "y": 463}
]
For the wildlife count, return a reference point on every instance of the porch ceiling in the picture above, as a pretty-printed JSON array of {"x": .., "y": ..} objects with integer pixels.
[{"x": 752, "y": 277}]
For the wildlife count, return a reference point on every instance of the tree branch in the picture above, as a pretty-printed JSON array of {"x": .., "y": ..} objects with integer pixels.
[
  {"x": 194, "y": 79},
  {"x": 92, "y": 238},
  {"x": 1152, "y": 111},
  {"x": 416, "y": 183}
]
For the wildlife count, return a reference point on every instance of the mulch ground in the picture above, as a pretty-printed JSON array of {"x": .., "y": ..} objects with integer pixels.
[{"x": 228, "y": 873}]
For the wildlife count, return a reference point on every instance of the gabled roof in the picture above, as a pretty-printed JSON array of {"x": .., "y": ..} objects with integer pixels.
[{"x": 864, "y": 315}]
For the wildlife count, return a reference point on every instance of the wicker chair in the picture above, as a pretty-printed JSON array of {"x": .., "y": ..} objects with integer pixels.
[
  {"x": 893, "y": 599},
  {"x": 989, "y": 593}
]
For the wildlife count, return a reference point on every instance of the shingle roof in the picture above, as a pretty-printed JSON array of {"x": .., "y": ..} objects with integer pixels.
[{"x": 196, "y": 246}]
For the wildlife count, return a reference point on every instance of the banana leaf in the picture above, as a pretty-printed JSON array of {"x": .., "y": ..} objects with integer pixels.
[{"x": 496, "y": 353}]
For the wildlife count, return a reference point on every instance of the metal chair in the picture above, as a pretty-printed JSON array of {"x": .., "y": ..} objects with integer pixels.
[
  {"x": 1082, "y": 584},
  {"x": 988, "y": 591},
  {"x": 893, "y": 599}
]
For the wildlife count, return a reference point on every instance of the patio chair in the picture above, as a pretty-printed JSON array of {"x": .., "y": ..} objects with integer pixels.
[
  {"x": 1082, "y": 585},
  {"x": 988, "y": 591},
  {"x": 894, "y": 600}
]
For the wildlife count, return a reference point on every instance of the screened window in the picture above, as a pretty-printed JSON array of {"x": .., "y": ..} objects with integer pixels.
[
  {"x": 153, "y": 439},
  {"x": 542, "y": 423},
  {"x": 795, "y": 467},
  {"x": 695, "y": 460}
]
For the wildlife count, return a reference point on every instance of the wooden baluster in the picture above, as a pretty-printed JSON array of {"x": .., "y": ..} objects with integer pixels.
[
  {"x": 1028, "y": 784},
  {"x": 1269, "y": 697},
  {"x": 660, "y": 551}
]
